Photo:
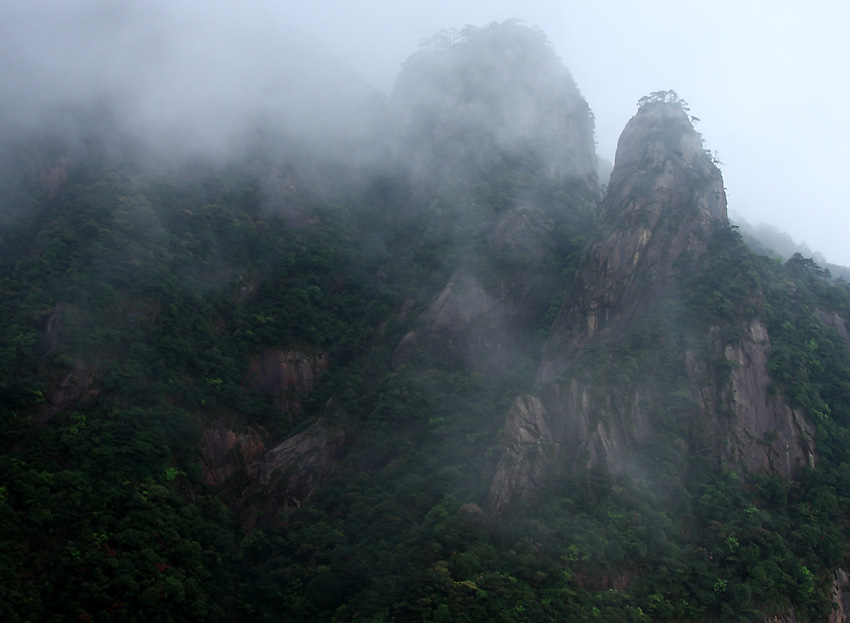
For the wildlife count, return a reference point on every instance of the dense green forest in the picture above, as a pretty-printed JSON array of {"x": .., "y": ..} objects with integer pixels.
[{"x": 138, "y": 293}]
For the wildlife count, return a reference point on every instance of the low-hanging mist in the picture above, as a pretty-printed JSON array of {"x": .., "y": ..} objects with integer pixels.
[
  {"x": 278, "y": 348},
  {"x": 182, "y": 83}
]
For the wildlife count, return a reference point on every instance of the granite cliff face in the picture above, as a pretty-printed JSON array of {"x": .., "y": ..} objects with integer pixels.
[
  {"x": 664, "y": 200},
  {"x": 289, "y": 473},
  {"x": 527, "y": 447},
  {"x": 764, "y": 433},
  {"x": 664, "y": 197},
  {"x": 267, "y": 482},
  {"x": 263, "y": 481},
  {"x": 283, "y": 375}
]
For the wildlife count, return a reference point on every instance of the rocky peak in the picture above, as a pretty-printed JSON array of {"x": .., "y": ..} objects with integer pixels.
[
  {"x": 469, "y": 95},
  {"x": 664, "y": 197},
  {"x": 659, "y": 135}
]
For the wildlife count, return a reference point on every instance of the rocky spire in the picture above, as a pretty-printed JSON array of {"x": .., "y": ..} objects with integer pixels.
[
  {"x": 663, "y": 200},
  {"x": 664, "y": 196}
]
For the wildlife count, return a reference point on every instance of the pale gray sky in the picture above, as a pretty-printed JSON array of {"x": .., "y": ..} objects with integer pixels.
[{"x": 767, "y": 79}]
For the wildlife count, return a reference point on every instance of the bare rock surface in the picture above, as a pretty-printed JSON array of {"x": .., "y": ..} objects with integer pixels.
[
  {"x": 465, "y": 322},
  {"x": 289, "y": 473},
  {"x": 663, "y": 199},
  {"x": 766, "y": 434},
  {"x": 74, "y": 385},
  {"x": 840, "y": 598},
  {"x": 834, "y": 321},
  {"x": 487, "y": 326},
  {"x": 225, "y": 452},
  {"x": 284, "y": 374},
  {"x": 754, "y": 429},
  {"x": 526, "y": 441}
]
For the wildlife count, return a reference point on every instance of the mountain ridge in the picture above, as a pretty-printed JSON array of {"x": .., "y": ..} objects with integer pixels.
[{"x": 460, "y": 384}]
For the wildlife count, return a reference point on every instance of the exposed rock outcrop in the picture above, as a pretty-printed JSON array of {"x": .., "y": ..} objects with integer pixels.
[
  {"x": 52, "y": 180},
  {"x": 264, "y": 482},
  {"x": 527, "y": 446},
  {"x": 486, "y": 118},
  {"x": 840, "y": 603},
  {"x": 663, "y": 199},
  {"x": 53, "y": 327},
  {"x": 785, "y": 617},
  {"x": 284, "y": 374},
  {"x": 73, "y": 385},
  {"x": 64, "y": 384},
  {"x": 598, "y": 426},
  {"x": 754, "y": 428},
  {"x": 289, "y": 473},
  {"x": 226, "y": 452},
  {"x": 834, "y": 321},
  {"x": 589, "y": 428},
  {"x": 465, "y": 323},
  {"x": 840, "y": 598}
]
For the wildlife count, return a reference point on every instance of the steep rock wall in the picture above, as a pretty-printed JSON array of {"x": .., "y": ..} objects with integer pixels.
[
  {"x": 753, "y": 427},
  {"x": 840, "y": 597},
  {"x": 289, "y": 473},
  {"x": 488, "y": 121},
  {"x": 527, "y": 446},
  {"x": 64, "y": 385},
  {"x": 572, "y": 428},
  {"x": 225, "y": 452},
  {"x": 260, "y": 481},
  {"x": 284, "y": 374},
  {"x": 663, "y": 199},
  {"x": 834, "y": 321}
]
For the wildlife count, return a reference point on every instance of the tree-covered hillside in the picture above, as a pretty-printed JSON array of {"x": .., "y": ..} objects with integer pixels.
[{"x": 278, "y": 386}]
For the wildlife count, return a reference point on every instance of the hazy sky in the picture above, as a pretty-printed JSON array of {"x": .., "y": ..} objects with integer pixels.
[{"x": 767, "y": 79}]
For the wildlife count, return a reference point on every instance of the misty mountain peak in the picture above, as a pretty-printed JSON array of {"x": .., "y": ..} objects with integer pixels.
[
  {"x": 469, "y": 96},
  {"x": 664, "y": 199},
  {"x": 659, "y": 135}
]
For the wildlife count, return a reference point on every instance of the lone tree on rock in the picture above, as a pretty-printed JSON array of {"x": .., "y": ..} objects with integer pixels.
[{"x": 663, "y": 97}]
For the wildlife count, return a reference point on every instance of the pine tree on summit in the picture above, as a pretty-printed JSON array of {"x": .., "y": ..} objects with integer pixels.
[{"x": 664, "y": 97}]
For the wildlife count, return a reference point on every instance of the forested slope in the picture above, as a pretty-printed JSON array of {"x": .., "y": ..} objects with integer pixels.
[{"x": 285, "y": 387}]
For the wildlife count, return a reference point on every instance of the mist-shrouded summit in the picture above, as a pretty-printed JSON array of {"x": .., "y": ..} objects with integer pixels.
[
  {"x": 184, "y": 68},
  {"x": 663, "y": 200},
  {"x": 469, "y": 96},
  {"x": 277, "y": 347},
  {"x": 498, "y": 146}
]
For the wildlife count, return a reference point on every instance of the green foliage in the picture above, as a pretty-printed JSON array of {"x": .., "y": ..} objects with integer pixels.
[{"x": 143, "y": 296}]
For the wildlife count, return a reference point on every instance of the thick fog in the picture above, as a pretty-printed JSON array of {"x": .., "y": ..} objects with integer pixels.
[
  {"x": 765, "y": 78},
  {"x": 187, "y": 78}
]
